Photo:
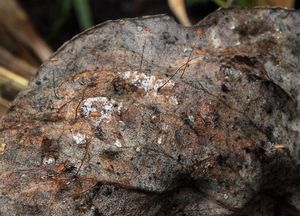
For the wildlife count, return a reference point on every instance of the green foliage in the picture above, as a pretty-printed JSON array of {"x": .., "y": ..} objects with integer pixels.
[
  {"x": 220, "y": 3},
  {"x": 83, "y": 15},
  {"x": 64, "y": 8},
  {"x": 194, "y": 2},
  {"x": 244, "y": 3},
  {"x": 83, "y": 12}
]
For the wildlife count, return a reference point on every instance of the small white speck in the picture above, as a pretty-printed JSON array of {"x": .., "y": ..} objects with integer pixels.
[
  {"x": 238, "y": 43},
  {"x": 140, "y": 28},
  {"x": 159, "y": 141},
  {"x": 118, "y": 143},
  {"x": 48, "y": 160},
  {"x": 191, "y": 118},
  {"x": 119, "y": 108},
  {"x": 225, "y": 196},
  {"x": 138, "y": 149},
  {"x": 187, "y": 49},
  {"x": 92, "y": 211},
  {"x": 79, "y": 138},
  {"x": 232, "y": 27},
  {"x": 164, "y": 126}
]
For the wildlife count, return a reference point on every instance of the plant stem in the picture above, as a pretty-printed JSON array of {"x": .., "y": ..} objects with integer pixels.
[{"x": 83, "y": 13}]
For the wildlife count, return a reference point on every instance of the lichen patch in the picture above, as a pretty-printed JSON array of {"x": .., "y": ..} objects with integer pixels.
[
  {"x": 151, "y": 85},
  {"x": 103, "y": 106},
  {"x": 146, "y": 82}
]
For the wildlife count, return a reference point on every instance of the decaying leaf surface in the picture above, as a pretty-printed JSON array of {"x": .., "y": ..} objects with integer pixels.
[{"x": 97, "y": 134}]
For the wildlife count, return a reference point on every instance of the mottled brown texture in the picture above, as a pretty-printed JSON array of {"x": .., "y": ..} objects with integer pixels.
[{"x": 95, "y": 133}]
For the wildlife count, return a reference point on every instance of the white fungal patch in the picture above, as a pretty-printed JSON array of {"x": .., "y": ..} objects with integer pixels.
[
  {"x": 118, "y": 143},
  {"x": 233, "y": 23},
  {"x": 150, "y": 85},
  {"x": 145, "y": 82},
  {"x": 101, "y": 108},
  {"x": 79, "y": 138}
]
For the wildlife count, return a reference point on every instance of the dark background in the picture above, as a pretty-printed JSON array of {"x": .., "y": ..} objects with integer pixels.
[
  {"x": 48, "y": 16},
  {"x": 56, "y": 25}
]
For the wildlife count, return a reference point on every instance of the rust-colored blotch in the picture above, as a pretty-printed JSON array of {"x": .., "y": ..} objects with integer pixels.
[
  {"x": 200, "y": 51},
  {"x": 199, "y": 31},
  {"x": 95, "y": 114}
]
